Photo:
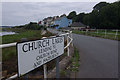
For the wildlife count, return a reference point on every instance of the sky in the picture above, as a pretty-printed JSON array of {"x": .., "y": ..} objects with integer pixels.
[{"x": 19, "y": 13}]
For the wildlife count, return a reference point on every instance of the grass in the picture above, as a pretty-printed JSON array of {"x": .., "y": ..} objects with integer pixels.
[
  {"x": 75, "y": 61},
  {"x": 73, "y": 67},
  {"x": 109, "y": 35},
  {"x": 7, "y": 53},
  {"x": 62, "y": 72},
  {"x": 29, "y": 34}
]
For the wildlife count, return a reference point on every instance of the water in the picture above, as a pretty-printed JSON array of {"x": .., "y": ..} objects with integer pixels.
[{"x": 6, "y": 33}]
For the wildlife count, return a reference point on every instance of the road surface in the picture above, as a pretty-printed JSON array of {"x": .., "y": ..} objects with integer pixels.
[{"x": 98, "y": 57}]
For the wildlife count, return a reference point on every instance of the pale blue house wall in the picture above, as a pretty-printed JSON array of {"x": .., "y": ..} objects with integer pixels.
[
  {"x": 62, "y": 22},
  {"x": 70, "y": 20}
]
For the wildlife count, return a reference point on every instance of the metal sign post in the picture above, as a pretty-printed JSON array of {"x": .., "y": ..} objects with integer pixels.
[
  {"x": 57, "y": 63},
  {"x": 45, "y": 68},
  {"x": 57, "y": 67},
  {"x": 45, "y": 71}
]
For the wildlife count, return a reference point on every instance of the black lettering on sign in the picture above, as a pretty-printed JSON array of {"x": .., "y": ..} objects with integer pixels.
[
  {"x": 53, "y": 41},
  {"x": 46, "y": 49},
  {"x": 49, "y": 57},
  {"x": 45, "y": 43},
  {"x": 39, "y": 57},
  {"x": 37, "y": 63},
  {"x": 23, "y": 48},
  {"x": 44, "y": 60},
  {"x": 39, "y": 44},
  {"x": 58, "y": 40},
  {"x": 54, "y": 46},
  {"x": 53, "y": 56},
  {"x": 35, "y": 45},
  {"x": 30, "y": 46},
  {"x": 53, "y": 51}
]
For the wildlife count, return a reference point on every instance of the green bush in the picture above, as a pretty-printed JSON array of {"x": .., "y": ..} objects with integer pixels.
[
  {"x": 30, "y": 26},
  {"x": 33, "y": 26}
]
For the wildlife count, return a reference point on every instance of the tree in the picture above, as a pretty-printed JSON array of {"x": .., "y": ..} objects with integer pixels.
[
  {"x": 71, "y": 15},
  {"x": 78, "y": 18},
  {"x": 110, "y": 15},
  {"x": 86, "y": 20},
  {"x": 104, "y": 16},
  {"x": 94, "y": 19},
  {"x": 100, "y": 5}
]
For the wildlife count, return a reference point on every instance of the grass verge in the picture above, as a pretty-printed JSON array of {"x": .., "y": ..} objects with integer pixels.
[
  {"x": 111, "y": 35},
  {"x": 73, "y": 67},
  {"x": 75, "y": 61}
]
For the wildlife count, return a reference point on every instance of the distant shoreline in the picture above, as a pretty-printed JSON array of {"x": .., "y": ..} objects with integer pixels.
[{"x": 6, "y": 26}]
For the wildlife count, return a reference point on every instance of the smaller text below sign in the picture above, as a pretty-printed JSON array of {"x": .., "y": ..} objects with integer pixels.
[{"x": 33, "y": 54}]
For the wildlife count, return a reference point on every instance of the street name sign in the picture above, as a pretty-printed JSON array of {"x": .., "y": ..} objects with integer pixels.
[{"x": 33, "y": 54}]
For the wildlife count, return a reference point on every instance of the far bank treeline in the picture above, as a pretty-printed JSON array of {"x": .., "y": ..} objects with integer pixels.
[{"x": 103, "y": 16}]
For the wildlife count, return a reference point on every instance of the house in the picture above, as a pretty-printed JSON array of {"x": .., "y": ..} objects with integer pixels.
[
  {"x": 62, "y": 22},
  {"x": 57, "y": 21},
  {"x": 78, "y": 25},
  {"x": 41, "y": 23},
  {"x": 47, "y": 21}
]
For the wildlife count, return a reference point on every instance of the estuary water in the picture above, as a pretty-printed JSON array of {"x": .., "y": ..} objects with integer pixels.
[{"x": 6, "y": 33}]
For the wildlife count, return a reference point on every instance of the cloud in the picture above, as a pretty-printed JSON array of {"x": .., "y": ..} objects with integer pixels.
[
  {"x": 17, "y": 13},
  {"x": 57, "y": 0}
]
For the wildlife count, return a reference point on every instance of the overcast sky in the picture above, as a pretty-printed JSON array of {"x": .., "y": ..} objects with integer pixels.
[{"x": 19, "y": 13}]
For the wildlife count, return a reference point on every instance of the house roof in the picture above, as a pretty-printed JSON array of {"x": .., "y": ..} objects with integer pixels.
[
  {"x": 58, "y": 19},
  {"x": 48, "y": 18},
  {"x": 78, "y": 24}
]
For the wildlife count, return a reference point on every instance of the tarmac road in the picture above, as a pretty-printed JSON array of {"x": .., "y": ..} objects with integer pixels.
[{"x": 98, "y": 57}]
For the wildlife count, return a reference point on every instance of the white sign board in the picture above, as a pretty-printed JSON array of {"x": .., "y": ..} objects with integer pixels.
[{"x": 33, "y": 54}]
